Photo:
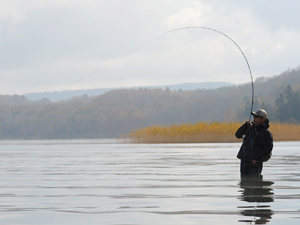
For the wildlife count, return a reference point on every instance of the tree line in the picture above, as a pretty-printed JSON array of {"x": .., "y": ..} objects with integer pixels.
[{"x": 121, "y": 111}]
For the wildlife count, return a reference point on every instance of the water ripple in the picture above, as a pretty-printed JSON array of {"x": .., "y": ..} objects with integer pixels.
[{"x": 109, "y": 183}]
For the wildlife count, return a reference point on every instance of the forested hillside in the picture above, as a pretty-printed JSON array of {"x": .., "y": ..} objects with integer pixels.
[
  {"x": 120, "y": 111},
  {"x": 67, "y": 95}
]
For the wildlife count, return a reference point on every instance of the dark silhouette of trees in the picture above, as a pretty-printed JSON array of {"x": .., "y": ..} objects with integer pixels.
[{"x": 288, "y": 106}]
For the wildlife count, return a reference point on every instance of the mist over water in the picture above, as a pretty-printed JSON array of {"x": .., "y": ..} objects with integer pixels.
[{"x": 105, "y": 182}]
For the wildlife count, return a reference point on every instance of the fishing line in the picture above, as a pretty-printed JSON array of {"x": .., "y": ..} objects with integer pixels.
[
  {"x": 86, "y": 76},
  {"x": 139, "y": 47}
]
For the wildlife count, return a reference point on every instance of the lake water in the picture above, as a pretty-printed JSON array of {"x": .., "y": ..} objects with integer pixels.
[{"x": 105, "y": 182}]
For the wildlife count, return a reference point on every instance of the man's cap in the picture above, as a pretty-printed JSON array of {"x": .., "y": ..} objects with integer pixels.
[{"x": 260, "y": 112}]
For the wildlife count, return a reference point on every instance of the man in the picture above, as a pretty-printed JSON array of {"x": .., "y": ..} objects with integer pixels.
[{"x": 257, "y": 143}]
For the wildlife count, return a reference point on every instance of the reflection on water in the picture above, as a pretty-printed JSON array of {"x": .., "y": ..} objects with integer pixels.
[
  {"x": 255, "y": 190},
  {"x": 83, "y": 182}
]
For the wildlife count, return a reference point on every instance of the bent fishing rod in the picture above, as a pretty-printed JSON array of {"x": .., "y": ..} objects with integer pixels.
[
  {"x": 219, "y": 32},
  {"x": 143, "y": 45}
]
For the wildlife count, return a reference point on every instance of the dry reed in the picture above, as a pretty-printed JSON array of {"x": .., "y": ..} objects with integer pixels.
[{"x": 206, "y": 132}]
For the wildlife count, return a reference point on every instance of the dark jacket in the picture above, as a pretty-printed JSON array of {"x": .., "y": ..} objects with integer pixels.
[{"x": 257, "y": 143}]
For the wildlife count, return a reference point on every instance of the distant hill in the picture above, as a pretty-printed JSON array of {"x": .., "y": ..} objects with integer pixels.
[
  {"x": 117, "y": 112},
  {"x": 67, "y": 95}
]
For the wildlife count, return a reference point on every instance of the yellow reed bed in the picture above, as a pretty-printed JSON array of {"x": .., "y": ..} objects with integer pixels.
[
  {"x": 207, "y": 132},
  {"x": 285, "y": 132}
]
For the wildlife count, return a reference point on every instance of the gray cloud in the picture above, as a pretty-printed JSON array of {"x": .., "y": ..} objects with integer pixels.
[{"x": 50, "y": 45}]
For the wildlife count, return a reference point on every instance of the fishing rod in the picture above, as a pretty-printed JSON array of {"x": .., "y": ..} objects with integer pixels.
[
  {"x": 178, "y": 29},
  {"x": 248, "y": 65},
  {"x": 141, "y": 46}
]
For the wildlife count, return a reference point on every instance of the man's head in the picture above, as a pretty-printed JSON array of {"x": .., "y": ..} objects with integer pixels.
[{"x": 259, "y": 116}]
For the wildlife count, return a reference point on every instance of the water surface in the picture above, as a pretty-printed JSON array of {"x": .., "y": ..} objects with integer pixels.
[{"x": 104, "y": 182}]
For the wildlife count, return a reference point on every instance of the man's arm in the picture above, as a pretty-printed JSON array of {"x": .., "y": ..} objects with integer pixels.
[{"x": 242, "y": 130}]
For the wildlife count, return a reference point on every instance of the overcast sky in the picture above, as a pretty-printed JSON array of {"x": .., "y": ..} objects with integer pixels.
[{"x": 54, "y": 45}]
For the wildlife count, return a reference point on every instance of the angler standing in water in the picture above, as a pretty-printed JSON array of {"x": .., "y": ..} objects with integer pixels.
[{"x": 257, "y": 143}]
